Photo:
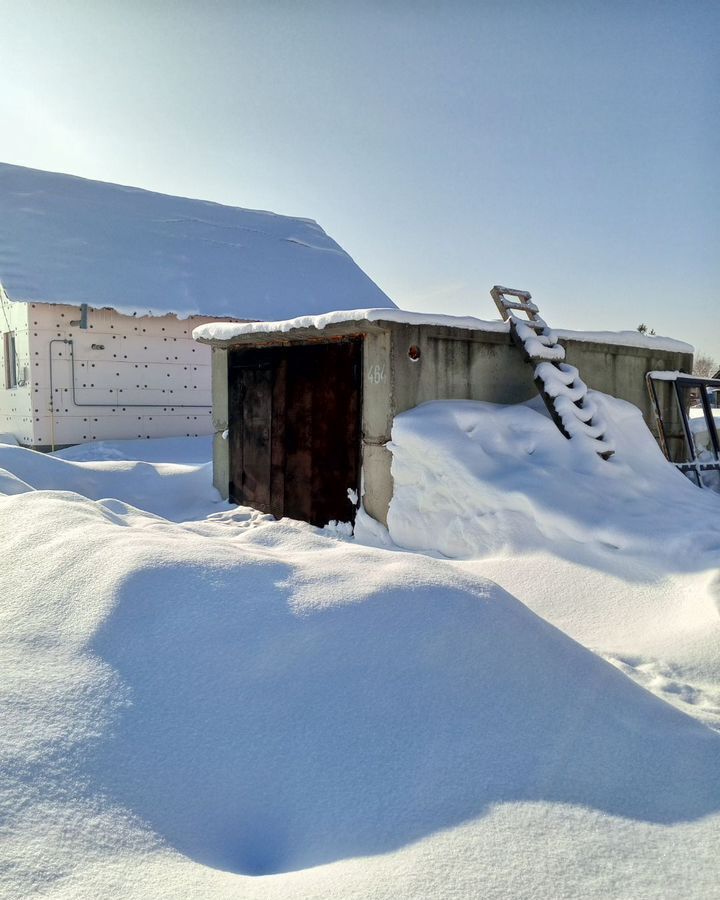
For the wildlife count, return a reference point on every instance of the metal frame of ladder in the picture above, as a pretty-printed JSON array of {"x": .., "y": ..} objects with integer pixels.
[{"x": 559, "y": 384}]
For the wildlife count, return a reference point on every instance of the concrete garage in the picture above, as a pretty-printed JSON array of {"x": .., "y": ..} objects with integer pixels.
[{"x": 303, "y": 409}]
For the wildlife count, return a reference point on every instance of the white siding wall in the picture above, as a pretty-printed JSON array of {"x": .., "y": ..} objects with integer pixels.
[
  {"x": 16, "y": 415},
  {"x": 134, "y": 377}
]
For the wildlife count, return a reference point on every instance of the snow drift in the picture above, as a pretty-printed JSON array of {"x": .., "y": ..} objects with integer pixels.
[
  {"x": 176, "y": 491},
  {"x": 234, "y": 706},
  {"x": 280, "y": 701},
  {"x": 473, "y": 479},
  {"x": 621, "y": 554}
]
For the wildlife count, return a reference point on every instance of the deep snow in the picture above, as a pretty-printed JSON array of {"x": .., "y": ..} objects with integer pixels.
[
  {"x": 176, "y": 491},
  {"x": 70, "y": 240},
  {"x": 228, "y": 706},
  {"x": 621, "y": 554}
]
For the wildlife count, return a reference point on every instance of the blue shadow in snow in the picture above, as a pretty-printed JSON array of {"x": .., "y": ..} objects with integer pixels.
[{"x": 263, "y": 741}]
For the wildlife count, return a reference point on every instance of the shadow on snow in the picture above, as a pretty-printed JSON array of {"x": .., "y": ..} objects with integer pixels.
[{"x": 264, "y": 740}]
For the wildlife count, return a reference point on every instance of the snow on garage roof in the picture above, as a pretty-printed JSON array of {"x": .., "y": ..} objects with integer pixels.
[
  {"x": 229, "y": 331},
  {"x": 65, "y": 239}
]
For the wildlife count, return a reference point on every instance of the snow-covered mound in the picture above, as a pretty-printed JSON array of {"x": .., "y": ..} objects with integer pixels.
[
  {"x": 70, "y": 240},
  {"x": 227, "y": 706},
  {"x": 623, "y": 554},
  {"x": 183, "y": 713},
  {"x": 473, "y": 479},
  {"x": 175, "y": 491}
]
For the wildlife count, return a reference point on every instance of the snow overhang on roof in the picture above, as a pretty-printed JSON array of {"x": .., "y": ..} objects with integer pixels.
[
  {"x": 341, "y": 321},
  {"x": 360, "y": 320},
  {"x": 70, "y": 240}
]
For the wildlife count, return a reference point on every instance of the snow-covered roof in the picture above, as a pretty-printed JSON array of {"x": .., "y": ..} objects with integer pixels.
[
  {"x": 70, "y": 240},
  {"x": 627, "y": 339},
  {"x": 230, "y": 331}
]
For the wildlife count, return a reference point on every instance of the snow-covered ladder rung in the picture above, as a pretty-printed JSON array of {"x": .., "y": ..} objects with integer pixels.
[
  {"x": 560, "y": 385},
  {"x": 511, "y": 292},
  {"x": 523, "y": 302}
]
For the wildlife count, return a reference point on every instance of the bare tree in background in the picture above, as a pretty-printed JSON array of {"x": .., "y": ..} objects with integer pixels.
[{"x": 704, "y": 366}]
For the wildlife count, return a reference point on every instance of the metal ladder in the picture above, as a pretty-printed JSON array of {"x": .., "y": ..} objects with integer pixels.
[{"x": 558, "y": 383}]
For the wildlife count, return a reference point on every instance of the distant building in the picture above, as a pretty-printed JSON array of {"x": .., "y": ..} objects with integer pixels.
[{"x": 101, "y": 286}]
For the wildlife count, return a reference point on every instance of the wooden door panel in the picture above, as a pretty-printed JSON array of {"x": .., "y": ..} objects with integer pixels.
[
  {"x": 278, "y": 439},
  {"x": 336, "y": 432},
  {"x": 299, "y": 434},
  {"x": 251, "y": 376},
  {"x": 295, "y": 429},
  {"x": 256, "y": 422}
]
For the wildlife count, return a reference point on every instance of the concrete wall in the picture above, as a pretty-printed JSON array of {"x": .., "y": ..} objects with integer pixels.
[
  {"x": 459, "y": 364},
  {"x": 377, "y": 415},
  {"x": 620, "y": 371},
  {"x": 454, "y": 364},
  {"x": 220, "y": 421},
  {"x": 134, "y": 377}
]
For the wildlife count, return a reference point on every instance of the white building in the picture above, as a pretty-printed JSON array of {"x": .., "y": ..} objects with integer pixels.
[{"x": 102, "y": 285}]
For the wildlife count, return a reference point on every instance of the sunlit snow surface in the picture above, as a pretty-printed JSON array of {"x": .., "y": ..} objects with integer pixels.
[
  {"x": 622, "y": 554},
  {"x": 70, "y": 240},
  {"x": 202, "y": 702}
]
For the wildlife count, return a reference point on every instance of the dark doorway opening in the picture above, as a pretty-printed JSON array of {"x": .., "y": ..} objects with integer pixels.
[{"x": 294, "y": 429}]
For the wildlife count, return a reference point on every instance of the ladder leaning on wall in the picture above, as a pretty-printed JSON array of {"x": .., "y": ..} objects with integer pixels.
[{"x": 558, "y": 383}]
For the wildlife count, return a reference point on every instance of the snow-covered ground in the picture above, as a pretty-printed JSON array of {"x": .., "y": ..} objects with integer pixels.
[
  {"x": 199, "y": 701},
  {"x": 623, "y": 555}
]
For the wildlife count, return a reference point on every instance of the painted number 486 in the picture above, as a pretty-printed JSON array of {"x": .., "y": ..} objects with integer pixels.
[{"x": 376, "y": 374}]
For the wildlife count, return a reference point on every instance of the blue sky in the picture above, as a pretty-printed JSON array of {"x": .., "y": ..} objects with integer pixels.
[{"x": 569, "y": 148}]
